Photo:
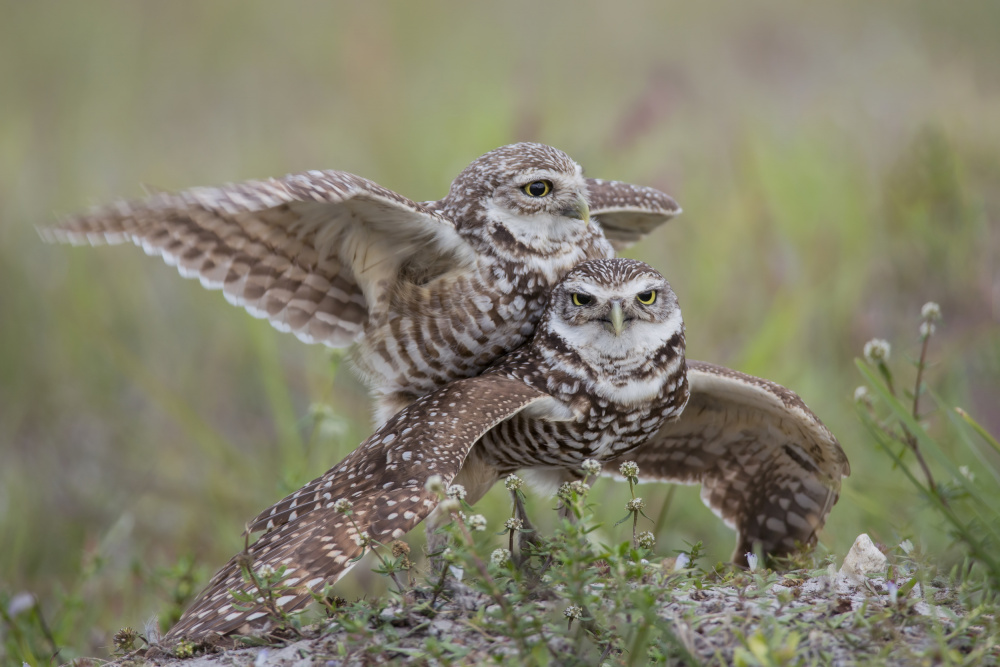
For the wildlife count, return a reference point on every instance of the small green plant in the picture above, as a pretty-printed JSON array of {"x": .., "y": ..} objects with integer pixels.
[
  {"x": 26, "y": 632},
  {"x": 127, "y": 640},
  {"x": 774, "y": 646},
  {"x": 265, "y": 588},
  {"x": 630, "y": 471},
  {"x": 967, "y": 503},
  {"x": 389, "y": 568}
]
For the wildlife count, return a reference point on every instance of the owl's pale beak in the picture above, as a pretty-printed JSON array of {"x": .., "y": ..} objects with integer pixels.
[
  {"x": 617, "y": 319},
  {"x": 581, "y": 211}
]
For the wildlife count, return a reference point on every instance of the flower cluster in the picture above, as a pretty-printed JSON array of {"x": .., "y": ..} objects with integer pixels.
[
  {"x": 342, "y": 506},
  {"x": 645, "y": 540},
  {"x": 124, "y": 639},
  {"x": 591, "y": 467},
  {"x": 578, "y": 487},
  {"x": 513, "y": 483},
  {"x": 629, "y": 469},
  {"x": 450, "y": 505},
  {"x": 635, "y": 505},
  {"x": 877, "y": 351},
  {"x": 435, "y": 485},
  {"x": 500, "y": 557},
  {"x": 931, "y": 312}
]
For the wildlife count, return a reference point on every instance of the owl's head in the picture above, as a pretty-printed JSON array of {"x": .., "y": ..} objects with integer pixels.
[
  {"x": 621, "y": 319},
  {"x": 528, "y": 199}
]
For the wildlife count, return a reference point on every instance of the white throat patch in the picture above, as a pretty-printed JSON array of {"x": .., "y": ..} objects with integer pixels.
[
  {"x": 545, "y": 232},
  {"x": 616, "y": 359}
]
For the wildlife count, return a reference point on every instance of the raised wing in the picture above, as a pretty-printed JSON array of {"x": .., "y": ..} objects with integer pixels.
[
  {"x": 767, "y": 465},
  {"x": 628, "y": 212},
  {"x": 384, "y": 479},
  {"x": 310, "y": 252}
]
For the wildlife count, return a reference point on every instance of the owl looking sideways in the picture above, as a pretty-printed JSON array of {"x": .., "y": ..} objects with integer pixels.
[{"x": 426, "y": 292}]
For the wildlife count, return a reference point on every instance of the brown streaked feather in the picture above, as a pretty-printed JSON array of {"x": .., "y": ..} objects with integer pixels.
[
  {"x": 768, "y": 466},
  {"x": 384, "y": 478},
  {"x": 307, "y": 251},
  {"x": 628, "y": 212}
]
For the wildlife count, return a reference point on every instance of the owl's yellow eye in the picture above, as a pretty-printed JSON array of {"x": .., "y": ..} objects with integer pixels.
[
  {"x": 537, "y": 188},
  {"x": 646, "y": 298},
  {"x": 581, "y": 299}
]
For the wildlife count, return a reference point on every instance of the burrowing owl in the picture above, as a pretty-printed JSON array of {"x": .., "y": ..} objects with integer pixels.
[
  {"x": 603, "y": 377},
  {"x": 429, "y": 292}
]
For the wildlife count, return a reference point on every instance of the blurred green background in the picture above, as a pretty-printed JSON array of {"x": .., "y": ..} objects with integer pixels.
[{"x": 838, "y": 165}]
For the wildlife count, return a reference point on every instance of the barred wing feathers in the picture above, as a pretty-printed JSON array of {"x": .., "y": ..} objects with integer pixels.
[
  {"x": 310, "y": 252},
  {"x": 628, "y": 212}
]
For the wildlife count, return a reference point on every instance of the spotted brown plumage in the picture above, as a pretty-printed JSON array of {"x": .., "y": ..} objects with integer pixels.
[
  {"x": 426, "y": 292},
  {"x": 767, "y": 465},
  {"x": 384, "y": 479},
  {"x": 596, "y": 381}
]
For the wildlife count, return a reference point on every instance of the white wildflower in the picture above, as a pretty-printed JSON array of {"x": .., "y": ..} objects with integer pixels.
[
  {"x": 342, "y": 506},
  {"x": 931, "y": 312},
  {"x": 21, "y": 602},
  {"x": 513, "y": 523},
  {"x": 646, "y": 540},
  {"x": 591, "y": 467},
  {"x": 629, "y": 469},
  {"x": 477, "y": 522},
  {"x": 926, "y": 329},
  {"x": 573, "y": 611},
  {"x": 456, "y": 491},
  {"x": 513, "y": 483},
  {"x": 449, "y": 505},
  {"x": 568, "y": 488},
  {"x": 861, "y": 394},
  {"x": 435, "y": 485},
  {"x": 500, "y": 557},
  {"x": 635, "y": 505},
  {"x": 877, "y": 350}
]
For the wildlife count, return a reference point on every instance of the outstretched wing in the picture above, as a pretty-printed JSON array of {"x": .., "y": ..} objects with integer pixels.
[
  {"x": 767, "y": 465},
  {"x": 628, "y": 212},
  {"x": 310, "y": 252},
  {"x": 384, "y": 479}
]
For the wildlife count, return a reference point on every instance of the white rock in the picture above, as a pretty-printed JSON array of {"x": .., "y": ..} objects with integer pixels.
[
  {"x": 863, "y": 558},
  {"x": 390, "y": 614}
]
